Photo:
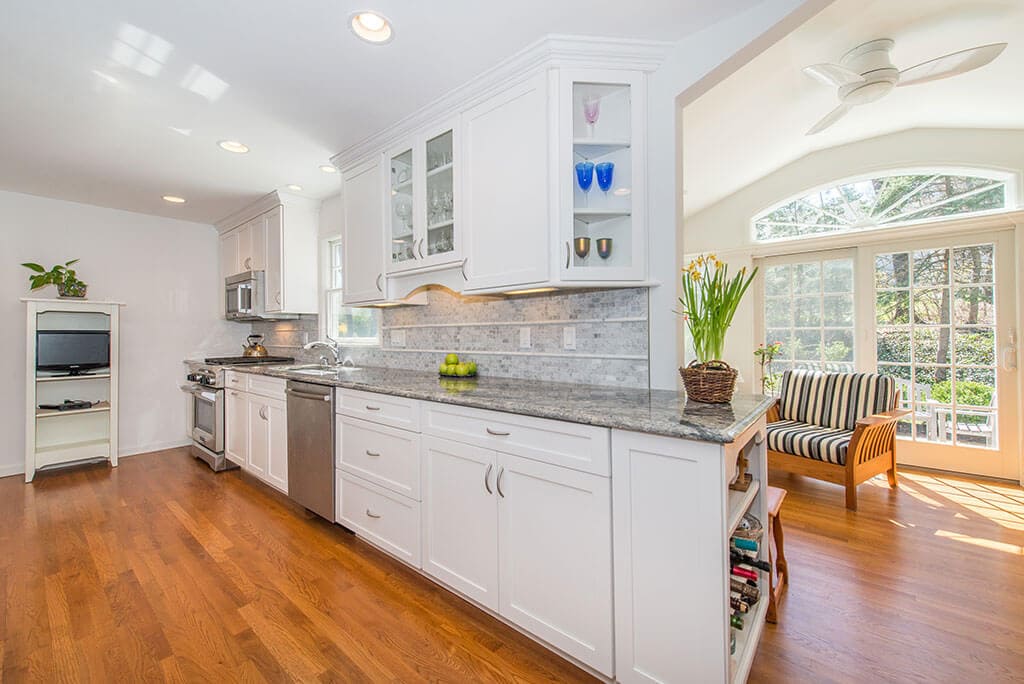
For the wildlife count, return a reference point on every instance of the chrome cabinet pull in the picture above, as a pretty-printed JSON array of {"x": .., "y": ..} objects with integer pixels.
[
  {"x": 421, "y": 248},
  {"x": 379, "y": 288},
  {"x": 487, "y": 478},
  {"x": 248, "y": 261},
  {"x": 375, "y": 454},
  {"x": 372, "y": 408},
  {"x": 463, "y": 268},
  {"x": 371, "y": 514},
  {"x": 497, "y": 433},
  {"x": 277, "y": 298},
  {"x": 568, "y": 253},
  {"x": 234, "y": 394},
  {"x": 263, "y": 412},
  {"x": 501, "y": 472}
]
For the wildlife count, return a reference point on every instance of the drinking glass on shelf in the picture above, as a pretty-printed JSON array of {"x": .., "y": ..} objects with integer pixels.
[
  {"x": 591, "y": 111},
  {"x": 604, "y": 172},
  {"x": 435, "y": 206},
  {"x": 585, "y": 177},
  {"x": 403, "y": 210},
  {"x": 447, "y": 203}
]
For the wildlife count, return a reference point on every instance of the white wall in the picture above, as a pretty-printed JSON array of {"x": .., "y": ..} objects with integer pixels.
[
  {"x": 695, "y": 64},
  {"x": 166, "y": 273},
  {"x": 724, "y": 227}
]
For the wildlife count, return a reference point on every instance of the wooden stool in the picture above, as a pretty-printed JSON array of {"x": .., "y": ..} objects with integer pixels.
[{"x": 778, "y": 578}]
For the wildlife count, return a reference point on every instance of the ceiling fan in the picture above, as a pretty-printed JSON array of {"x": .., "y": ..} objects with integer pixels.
[{"x": 866, "y": 74}]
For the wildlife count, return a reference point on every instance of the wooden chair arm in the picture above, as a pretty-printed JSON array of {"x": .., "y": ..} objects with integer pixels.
[
  {"x": 772, "y": 414},
  {"x": 884, "y": 417}
]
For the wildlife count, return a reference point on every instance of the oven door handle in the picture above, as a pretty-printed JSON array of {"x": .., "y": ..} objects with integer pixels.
[{"x": 201, "y": 393}]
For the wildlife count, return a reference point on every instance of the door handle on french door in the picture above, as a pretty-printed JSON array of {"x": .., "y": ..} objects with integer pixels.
[{"x": 1009, "y": 359}]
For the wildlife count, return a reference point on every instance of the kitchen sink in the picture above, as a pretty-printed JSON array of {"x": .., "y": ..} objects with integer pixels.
[{"x": 317, "y": 370}]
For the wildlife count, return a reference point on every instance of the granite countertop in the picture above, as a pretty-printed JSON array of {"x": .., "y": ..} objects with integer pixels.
[{"x": 656, "y": 412}]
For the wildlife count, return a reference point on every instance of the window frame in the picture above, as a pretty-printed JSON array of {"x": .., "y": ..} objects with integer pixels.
[
  {"x": 328, "y": 290},
  {"x": 1008, "y": 180}
]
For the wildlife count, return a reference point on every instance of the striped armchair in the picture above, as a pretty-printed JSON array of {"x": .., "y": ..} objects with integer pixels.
[{"x": 837, "y": 427}]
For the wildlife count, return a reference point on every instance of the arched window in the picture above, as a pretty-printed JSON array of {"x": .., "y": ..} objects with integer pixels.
[{"x": 892, "y": 198}]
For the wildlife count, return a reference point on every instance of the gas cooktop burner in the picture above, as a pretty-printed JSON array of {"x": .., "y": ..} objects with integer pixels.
[{"x": 245, "y": 360}]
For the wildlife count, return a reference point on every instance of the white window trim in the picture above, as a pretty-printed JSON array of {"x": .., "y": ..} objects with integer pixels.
[
  {"x": 1009, "y": 179},
  {"x": 326, "y": 269}
]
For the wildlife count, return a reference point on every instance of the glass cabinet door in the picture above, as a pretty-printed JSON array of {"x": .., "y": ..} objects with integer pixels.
[
  {"x": 440, "y": 195},
  {"x": 401, "y": 214}
]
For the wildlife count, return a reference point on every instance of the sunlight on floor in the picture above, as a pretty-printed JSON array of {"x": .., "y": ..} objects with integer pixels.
[
  {"x": 1002, "y": 504},
  {"x": 984, "y": 543}
]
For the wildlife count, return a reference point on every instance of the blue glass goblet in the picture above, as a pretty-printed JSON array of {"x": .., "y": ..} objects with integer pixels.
[
  {"x": 585, "y": 176},
  {"x": 604, "y": 171}
]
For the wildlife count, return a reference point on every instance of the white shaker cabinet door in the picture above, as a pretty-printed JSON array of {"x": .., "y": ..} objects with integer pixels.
[
  {"x": 273, "y": 288},
  {"x": 507, "y": 187},
  {"x": 236, "y": 424},
  {"x": 555, "y": 550},
  {"x": 258, "y": 456},
  {"x": 277, "y": 458},
  {"x": 460, "y": 518},
  {"x": 363, "y": 235}
]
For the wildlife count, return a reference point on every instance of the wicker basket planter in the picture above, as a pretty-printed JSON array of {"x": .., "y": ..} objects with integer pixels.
[{"x": 712, "y": 382}]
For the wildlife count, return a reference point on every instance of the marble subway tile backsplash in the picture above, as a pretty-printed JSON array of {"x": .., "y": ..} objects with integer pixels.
[{"x": 610, "y": 329}]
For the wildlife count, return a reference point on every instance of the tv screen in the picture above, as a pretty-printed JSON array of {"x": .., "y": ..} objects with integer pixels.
[{"x": 72, "y": 350}]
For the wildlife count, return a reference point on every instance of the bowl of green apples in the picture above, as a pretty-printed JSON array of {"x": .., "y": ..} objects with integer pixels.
[{"x": 454, "y": 368}]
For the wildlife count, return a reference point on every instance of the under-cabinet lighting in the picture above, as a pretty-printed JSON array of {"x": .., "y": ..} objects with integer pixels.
[
  {"x": 534, "y": 290},
  {"x": 327, "y": 168},
  {"x": 371, "y": 27},
  {"x": 174, "y": 199},
  {"x": 294, "y": 188}
]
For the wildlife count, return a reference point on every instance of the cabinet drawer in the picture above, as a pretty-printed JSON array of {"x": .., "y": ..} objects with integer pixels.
[
  {"x": 580, "y": 447},
  {"x": 235, "y": 380},
  {"x": 380, "y": 408},
  {"x": 383, "y": 518},
  {"x": 265, "y": 386},
  {"x": 383, "y": 455}
]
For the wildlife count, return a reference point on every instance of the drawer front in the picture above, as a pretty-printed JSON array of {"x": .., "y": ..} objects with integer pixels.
[
  {"x": 264, "y": 386},
  {"x": 235, "y": 380},
  {"x": 380, "y": 408},
  {"x": 387, "y": 520},
  {"x": 580, "y": 447},
  {"x": 383, "y": 455}
]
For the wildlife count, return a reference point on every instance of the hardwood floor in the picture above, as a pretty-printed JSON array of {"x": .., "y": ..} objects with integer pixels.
[
  {"x": 925, "y": 583},
  {"x": 161, "y": 570}
]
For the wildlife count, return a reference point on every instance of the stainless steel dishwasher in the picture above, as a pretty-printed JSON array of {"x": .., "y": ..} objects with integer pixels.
[{"x": 311, "y": 447}]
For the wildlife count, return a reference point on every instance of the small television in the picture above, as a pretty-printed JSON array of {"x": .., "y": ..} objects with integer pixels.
[{"x": 72, "y": 351}]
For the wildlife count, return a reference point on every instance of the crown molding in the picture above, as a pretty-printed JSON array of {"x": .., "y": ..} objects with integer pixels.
[
  {"x": 552, "y": 51},
  {"x": 275, "y": 198}
]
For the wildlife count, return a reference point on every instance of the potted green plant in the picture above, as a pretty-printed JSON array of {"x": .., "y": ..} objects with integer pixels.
[
  {"x": 709, "y": 301},
  {"x": 63, "y": 276}
]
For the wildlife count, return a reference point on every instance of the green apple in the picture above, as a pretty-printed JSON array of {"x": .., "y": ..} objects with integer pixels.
[
  {"x": 443, "y": 369},
  {"x": 451, "y": 359},
  {"x": 472, "y": 367},
  {"x": 462, "y": 369}
]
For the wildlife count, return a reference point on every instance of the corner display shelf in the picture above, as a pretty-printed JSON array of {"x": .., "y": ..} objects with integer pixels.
[{"x": 58, "y": 438}]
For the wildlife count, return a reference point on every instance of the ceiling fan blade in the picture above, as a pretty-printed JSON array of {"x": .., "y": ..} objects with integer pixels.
[
  {"x": 830, "y": 118},
  {"x": 951, "y": 64},
  {"x": 833, "y": 75}
]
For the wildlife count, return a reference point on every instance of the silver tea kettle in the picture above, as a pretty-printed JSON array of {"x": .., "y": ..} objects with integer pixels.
[{"x": 255, "y": 347}]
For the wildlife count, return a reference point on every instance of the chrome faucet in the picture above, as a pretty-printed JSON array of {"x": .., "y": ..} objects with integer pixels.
[{"x": 332, "y": 346}]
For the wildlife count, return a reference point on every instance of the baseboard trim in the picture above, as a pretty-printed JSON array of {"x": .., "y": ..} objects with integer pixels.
[
  {"x": 13, "y": 469},
  {"x": 155, "y": 446}
]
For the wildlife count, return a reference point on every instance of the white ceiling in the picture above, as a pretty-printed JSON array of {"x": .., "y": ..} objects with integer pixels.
[
  {"x": 754, "y": 122},
  {"x": 118, "y": 102}
]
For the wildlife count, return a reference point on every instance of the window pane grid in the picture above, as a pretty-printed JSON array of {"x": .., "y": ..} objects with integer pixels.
[{"x": 347, "y": 325}]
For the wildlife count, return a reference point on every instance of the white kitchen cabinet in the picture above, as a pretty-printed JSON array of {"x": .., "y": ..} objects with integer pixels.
[
  {"x": 276, "y": 235},
  {"x": 362, "y": 237},
  {"x": 257, "y": 436},
  {"x": 460, "y": 518},
  {"x": 508, "y": 187},
  {"x": 555, "y": 550},
  {"x": 422, "y": 194},
  {"x": 236, "y": 426},
  {"x": 387, "y": 520}
]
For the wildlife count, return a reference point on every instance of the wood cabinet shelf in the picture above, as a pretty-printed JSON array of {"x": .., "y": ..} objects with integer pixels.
[
  {"x": 99, "y": 407},
  {"x": 747, "y": 639},
  {"x": 739, "y": 503}
]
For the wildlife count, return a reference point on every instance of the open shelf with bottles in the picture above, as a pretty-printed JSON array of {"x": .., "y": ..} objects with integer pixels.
[{"x": 603, "y": 123}]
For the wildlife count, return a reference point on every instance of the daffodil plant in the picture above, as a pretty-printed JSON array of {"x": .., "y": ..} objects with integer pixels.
[{"x": 709, "y": 301}]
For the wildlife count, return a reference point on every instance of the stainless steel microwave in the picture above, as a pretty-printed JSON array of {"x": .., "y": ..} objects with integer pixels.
[{"x": 243, "y": 296}]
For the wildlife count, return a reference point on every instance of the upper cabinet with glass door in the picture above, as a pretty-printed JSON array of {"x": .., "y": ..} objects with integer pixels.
[
  {"x": 423, "y": 188},
  {"x": 603, "y": 227}
]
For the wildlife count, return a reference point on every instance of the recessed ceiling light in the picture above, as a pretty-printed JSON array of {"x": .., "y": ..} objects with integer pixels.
[
  {"x": 294, "y": 188},
  {"x": 622, "y": 192},
  {"x": 174, "y": 199},
  {"x": 233, "y": 146},
  {"x": 371, "y": 27},
  {"x": 327, "y": 168}
]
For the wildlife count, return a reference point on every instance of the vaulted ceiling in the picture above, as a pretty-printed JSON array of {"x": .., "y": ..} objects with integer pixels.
[
  {"x": 118, "y": 102},
  {"x": 755, "y": 121}
]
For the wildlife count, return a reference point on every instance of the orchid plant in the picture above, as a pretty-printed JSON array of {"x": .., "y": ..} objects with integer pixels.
[{"x": 709, "y": 301}]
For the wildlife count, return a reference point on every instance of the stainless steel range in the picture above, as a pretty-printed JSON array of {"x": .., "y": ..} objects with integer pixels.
[{"x": 205, "y": 387}]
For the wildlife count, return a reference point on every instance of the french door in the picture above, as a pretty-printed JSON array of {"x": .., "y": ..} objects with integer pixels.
[{"x": 942, "y": 322}]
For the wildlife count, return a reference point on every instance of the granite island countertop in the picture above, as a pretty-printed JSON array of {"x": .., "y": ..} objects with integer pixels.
[{"x": 656, "y": 412}]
